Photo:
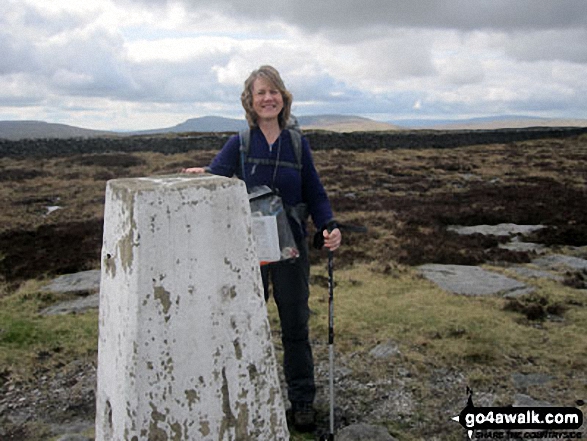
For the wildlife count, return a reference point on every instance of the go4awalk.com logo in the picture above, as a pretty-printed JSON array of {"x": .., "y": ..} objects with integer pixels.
[{"x": 520, "y": 422}]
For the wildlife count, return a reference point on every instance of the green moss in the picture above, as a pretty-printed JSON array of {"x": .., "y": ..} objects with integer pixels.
[{"x": 28, "y": 338}]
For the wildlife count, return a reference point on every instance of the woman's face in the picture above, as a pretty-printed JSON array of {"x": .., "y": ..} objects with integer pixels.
[{"x": 267, "y": 100}]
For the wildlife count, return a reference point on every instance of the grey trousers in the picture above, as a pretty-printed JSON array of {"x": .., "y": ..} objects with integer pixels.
[{"x": 290, "y": 281}]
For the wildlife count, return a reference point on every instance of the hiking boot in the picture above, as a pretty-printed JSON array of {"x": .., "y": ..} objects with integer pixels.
[{"x": 303, "y": 416}]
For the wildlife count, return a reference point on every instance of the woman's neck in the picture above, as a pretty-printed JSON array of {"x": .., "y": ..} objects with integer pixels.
[{"x": 270, "y": 129}]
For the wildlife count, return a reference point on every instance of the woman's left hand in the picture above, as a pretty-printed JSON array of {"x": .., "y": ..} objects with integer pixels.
[
  {"x": 194, "y": 170},
  {"x": 333, "y": 239}
]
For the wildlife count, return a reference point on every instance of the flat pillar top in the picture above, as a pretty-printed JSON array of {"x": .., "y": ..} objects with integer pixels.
[{"x": 178, "y": 181}]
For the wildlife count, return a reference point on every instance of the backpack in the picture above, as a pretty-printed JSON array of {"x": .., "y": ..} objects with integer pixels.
[
  {"x": 296, "y": 139},
  {"x": 300, "y": 212}
]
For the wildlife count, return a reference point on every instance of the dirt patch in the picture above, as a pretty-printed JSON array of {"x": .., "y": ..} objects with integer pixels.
[
  {"x": 576, "y": 279},
  {"x": 19, "y": 175},
  {"x": 536, "y": 308},
  {"x": 115, "y": 160},
  {"x": 572, "y": 235},
  {"x": 50, "y": 250}
]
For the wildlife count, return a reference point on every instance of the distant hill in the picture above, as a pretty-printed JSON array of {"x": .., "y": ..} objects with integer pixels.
[
  {"x": 14, "y": 130},
  {"x": 202, "y": 124},
  {"x": 490, "y": 123},
  {"x": 343, "y": 123},
  {"x": 335, "y": 123}
]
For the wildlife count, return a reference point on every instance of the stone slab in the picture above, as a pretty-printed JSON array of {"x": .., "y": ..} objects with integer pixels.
[
  {"x": 78, "y": 283},
  {"x": 385, "y": 350},
  {"x": 523, "y": 381},
  {"x": 77, "y": 306},
  {"x": 495, "y": 230},
  {"x": 532, "y": 273},
  {"x": 522, "y": 247},
  {"x": 561, "y": 261},
  {"x": 471, "y": 280},
  {"x": 364, "y": 432}
]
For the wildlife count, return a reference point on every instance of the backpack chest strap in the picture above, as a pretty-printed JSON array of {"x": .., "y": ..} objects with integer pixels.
[
  {"x": 245, "y": 141},
  {"x": 272, "y": 162}
]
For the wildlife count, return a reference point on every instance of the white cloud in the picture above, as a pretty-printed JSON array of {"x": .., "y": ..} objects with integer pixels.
[
  {"x": 346, "y": 16},
  {"x": 178, "y": 49},
  {"x": 21, "y": 89},
  {"x": 132, "y": 62},
  {"x": 559, "y": 44}
]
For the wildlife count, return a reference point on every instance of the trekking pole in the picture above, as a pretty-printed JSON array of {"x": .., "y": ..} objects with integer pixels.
[
  {"x": 331, "y": 340},
  {"x": 318, "y": 243}
]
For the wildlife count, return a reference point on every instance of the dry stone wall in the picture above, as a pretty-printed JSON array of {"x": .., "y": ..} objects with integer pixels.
[{"x": 319, "y": 141}]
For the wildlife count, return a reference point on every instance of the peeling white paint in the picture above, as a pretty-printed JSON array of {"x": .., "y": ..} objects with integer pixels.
[{"x": 185, "y": 350}]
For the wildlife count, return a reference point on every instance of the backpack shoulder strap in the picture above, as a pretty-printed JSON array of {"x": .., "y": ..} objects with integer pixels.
[
  {"x": 296, "y": 141},
  {"x": 245, "y": 139},
  {"x": 245, "y": 142}
]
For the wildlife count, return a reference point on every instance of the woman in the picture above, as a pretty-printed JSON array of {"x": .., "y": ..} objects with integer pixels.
[{"x": 271, "y": 161}]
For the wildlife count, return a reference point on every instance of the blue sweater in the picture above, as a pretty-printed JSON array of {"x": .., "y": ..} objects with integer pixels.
[{"x": 293, "y": 186}]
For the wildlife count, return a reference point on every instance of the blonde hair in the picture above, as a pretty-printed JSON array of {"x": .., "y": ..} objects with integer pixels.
[{"x": 272, "y": 75}]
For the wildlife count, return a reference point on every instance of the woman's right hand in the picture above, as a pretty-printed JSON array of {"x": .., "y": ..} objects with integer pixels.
[{"x": 194, "y": 170}]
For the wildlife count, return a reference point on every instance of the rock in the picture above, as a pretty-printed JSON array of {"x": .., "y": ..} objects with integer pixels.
[
  {"x": 522, "y": 247},
  {"x": 73, "y": 437},
  {"x": 78, "y": 283},
  {"x": 52, "y": 208},
  {"x": 495, "y": 230},
  {"x": 560, "y": 261},
  {"x": 536, "y": 274},
  {"x": 522, "y": 381},
  {"x": 341, "y": 372},
  {"x": 364, "y": 432},
  {"x": 470, "y": 177},
  {"x": 73, "y": 306},
  {"x": 523, "y": 400},
  {"x": 385, "y": 350},
  {"x": 472, "y": 280}
]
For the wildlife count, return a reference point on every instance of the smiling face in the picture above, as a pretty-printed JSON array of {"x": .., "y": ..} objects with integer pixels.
[
  {"x": 267, "y": 100},
  {"x": 264, "y": 95}
]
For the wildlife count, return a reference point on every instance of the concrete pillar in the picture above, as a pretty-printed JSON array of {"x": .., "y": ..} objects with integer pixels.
[{"x": 184, "y": 349}]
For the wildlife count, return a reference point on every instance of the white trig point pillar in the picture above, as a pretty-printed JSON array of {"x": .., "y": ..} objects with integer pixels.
[{"x": 185, "y": 351}]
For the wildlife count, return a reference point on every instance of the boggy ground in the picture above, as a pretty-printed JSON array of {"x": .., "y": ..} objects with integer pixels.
[{"x": 406, "y": 198}]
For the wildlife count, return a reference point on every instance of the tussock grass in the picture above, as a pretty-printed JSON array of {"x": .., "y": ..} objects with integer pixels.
[
  {"x": 434, "y": 330},
  {"x": 428, "y": 323},
  {"x": 75, "y": 183},
  {"x": 440, "y": 333},
  {"x": 30, "y": 341}
]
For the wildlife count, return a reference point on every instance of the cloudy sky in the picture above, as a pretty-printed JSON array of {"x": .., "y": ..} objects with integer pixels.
[{"x": 139, "y": 64}]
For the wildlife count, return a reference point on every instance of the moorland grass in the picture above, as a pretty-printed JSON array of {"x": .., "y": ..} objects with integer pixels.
[
  {"x": 432, "y": 328},
  {"x": 481, "y": 337},
  {"x": 439, "y": 331},
  {"x": 371, "y": 307},
  {"x": 30, "y": 341}
]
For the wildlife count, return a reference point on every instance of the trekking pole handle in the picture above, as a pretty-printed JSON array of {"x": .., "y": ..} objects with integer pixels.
[
  {"x": 352, "y": 228},
  {"x": 318, "y": 242}
]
